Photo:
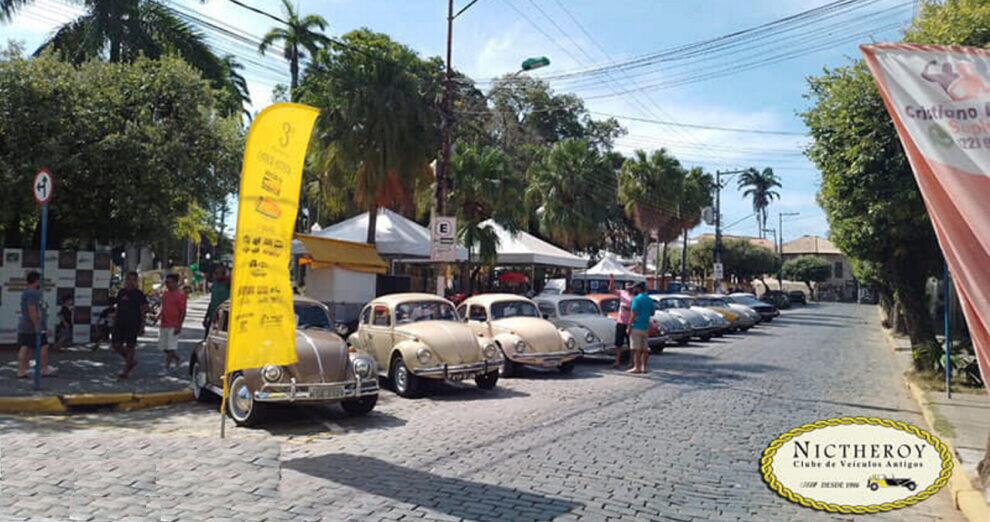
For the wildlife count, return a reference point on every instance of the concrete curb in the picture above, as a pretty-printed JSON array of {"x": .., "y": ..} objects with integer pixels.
[
  {"x": 969, "y": 500},
  {"x": 64, "y": 404}
]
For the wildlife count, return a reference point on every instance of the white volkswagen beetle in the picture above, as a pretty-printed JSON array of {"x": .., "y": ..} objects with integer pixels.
[
  {"x": 523, "y": 336},
  {"x": 595, "y": 333}
]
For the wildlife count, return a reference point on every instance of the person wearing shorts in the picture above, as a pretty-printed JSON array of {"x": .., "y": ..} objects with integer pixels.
[
  {"x": 172, "y": 316},
  {"x": 132, "y": 305},
  {"x": 642, "y": 311},
  {"x": 622, "y": 325},
  {"x": 32, "y": 322}
]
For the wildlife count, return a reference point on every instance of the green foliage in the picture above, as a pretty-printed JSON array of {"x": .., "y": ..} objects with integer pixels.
[
  {"x": 650, "y": 188},
  {"x": 195, "y": 226},
  {"x": 571, "y": 189},
  {"x": 131, "y": 145},
  {"x": 302, "y": 33},
  {"x": 759, "y": 187},
  {"x": 484, "y": 188},
  {"x": 740, "y": 258},
  {"x": 378, "y": 129},
  {"x": 809, "y": 269}
]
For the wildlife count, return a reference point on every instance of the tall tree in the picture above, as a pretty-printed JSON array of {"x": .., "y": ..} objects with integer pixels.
[
  {"x": 759, "y": 187},
  {"x": 808, "y": 269},
  {"x": 650, "y": 187},
  {"x": 484, "y": 187},
  {"x": 302, "y": 33},
  {"x": 378, "y": 122},
  {"x": 122, "y": 30},
  {"x": 570, "y": 192}
]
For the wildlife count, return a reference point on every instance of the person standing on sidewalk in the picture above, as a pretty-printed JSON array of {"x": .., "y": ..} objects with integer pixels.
[
  {"x": 219, "y": 292},
  {"x": 642, "y": 311},
  {"x": 172, "y": 316},
  {"x": 625, "y": 315},
  {"x": 32, "y": 322},
  {"x": 132, "y": 306}
]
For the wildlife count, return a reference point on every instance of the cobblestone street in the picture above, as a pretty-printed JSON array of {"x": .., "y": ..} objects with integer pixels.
[{"x": 680, "y": 443}]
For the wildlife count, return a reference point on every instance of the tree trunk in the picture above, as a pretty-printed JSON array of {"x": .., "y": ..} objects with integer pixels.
[
  {"x": 646, "y": 248},
  {"x": 684, "y": 258},
  {"x": 886, "y": 302},
  {"x": 294, "y": 70},
  {"x": 661, "y": 266},
  {"x": 372, "y": 223},
  {"x": 909, "y": 283}
]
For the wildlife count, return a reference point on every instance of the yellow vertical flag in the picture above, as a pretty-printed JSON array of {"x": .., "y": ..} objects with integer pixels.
[{"x": 262, "y": 325}]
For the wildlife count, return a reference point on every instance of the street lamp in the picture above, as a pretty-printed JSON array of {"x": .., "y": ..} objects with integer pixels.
[{"x": 537, "y": 62}]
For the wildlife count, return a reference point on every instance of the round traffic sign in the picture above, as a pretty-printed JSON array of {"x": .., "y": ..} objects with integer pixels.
[{"x": 43, "y": 186}]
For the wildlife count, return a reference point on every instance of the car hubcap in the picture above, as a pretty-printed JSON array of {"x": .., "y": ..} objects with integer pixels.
[
  {"x": 240, "y": 400},
  {"x": 401, "y": 377}
]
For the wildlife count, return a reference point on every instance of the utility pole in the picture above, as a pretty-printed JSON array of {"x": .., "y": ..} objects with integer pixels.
[
  {"x": 445, "y": 119},
  {"x": 780, "y": 245},
  {"x": 718, "y": 222}
]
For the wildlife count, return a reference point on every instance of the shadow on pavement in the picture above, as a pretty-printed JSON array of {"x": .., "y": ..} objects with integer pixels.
[
  {"x": 448, "y": 391},
  {"x": 455, "y": 497}
]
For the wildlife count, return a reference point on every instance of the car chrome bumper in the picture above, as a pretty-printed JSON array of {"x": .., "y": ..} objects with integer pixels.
[
  {"x": 701, "y": 332},
  {"x": 681, "y": 335},
  {"x": 459, "y": 371},
  {"x": 596, "y": 349},
  {"x": 317, "y": 391},
  {"x": 658, "y": 340},
  {"x": 547, "y": 359}
]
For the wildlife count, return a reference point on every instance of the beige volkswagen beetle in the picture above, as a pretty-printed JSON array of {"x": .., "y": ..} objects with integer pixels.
[
  {"x": 326, "y": 371},
  {"x": 419, "y": 336},
  {"x": 520, "y": 332}
]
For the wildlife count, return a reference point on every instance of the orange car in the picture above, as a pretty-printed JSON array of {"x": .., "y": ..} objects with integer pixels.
[{"x": 609, "y": 303}]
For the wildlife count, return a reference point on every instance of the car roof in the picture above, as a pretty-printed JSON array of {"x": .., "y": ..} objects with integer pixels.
[
  {"x": 601, "y": 297},
  {"x": 296, "y": 299},
  {"x": 712, "y": 296},
  {"x": 742, "y": 294},
  {"x": 488, "y": 299},
  {"x": 559, "y": 298},
  {"x": 394, "y": 299}
]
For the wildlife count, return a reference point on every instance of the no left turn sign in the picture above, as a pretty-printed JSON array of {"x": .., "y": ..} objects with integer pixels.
[{"x": 43, "y": 186}]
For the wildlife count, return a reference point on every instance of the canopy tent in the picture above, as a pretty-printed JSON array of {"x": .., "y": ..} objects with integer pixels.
[
  {"x": 395, "y": 235},
  {"x": 321, "y": 252},
  {"x": 525, "y": 249},
  {"x": 610, "y": 268}
]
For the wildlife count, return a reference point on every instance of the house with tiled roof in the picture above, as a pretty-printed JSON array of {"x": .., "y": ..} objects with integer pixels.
[{"x": 841, "y": 285}]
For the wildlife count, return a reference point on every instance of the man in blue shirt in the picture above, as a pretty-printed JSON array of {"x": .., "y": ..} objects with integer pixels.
[{"x": 642, "y": 311}]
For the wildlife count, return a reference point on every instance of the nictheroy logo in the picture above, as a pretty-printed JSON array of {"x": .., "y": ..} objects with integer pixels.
[{"x": 856, "y": 465}]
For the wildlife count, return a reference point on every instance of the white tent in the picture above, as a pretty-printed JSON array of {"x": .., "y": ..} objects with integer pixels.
[
  {"x": 525, "y": 249},
  {"x": 610, "y": 267},
  {"x": 395, "y": 235}
]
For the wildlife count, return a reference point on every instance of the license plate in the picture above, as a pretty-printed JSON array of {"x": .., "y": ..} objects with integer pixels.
[
  {"x": 551, "y": 363},
  {"x": 326, "y": 393}
]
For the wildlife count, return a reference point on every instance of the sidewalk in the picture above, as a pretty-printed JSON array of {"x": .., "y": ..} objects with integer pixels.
[
  {"x": 962, "y": 422},
  {"x": 89, "y": 378}
]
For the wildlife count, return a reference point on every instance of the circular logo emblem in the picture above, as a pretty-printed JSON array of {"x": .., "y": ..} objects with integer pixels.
[{"x": 856, "y": 465}]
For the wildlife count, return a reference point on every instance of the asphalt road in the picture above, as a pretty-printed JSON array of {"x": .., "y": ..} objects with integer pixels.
[{"x": 681, "y": 443}]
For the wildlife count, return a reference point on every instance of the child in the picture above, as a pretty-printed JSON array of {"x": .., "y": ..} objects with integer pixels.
[{"x": 63, "y": 330}]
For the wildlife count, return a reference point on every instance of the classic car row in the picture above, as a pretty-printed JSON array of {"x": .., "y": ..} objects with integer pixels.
[{"x": 411, "y": 339}]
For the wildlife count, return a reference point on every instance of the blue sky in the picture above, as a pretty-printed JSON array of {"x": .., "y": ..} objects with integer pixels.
[{"x": 494, "y": 36}]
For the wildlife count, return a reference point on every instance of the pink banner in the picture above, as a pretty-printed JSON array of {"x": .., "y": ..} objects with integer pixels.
[{"x": 939, "y": 99}]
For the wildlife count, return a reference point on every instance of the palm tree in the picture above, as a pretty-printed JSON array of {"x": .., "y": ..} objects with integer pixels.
[
  {"x": 301, "y": 33},
  {"x": 571, "y": 189},
  {"x": 650, "y": 188},
  {"x": 122, "y": 30},
  {"x": 698, "y": 187},
  {"x": 377, "y": 124},
  {"x": 484, "y": 187},
  {"x": 759, "y": 187}
]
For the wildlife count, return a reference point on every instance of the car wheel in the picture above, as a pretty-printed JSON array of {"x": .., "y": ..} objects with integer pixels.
[
  {"x": 487, "y": 381},
  {"x": 403, "y": 381},
  {"x": 197, "y": 377},
  {"x": 241, "y": 405},
  {"x": 509, "y": 367},
  {"x": 874, "y": 486},
  {"x": 567, "y": 367},
  {"x": 768, "y": 319},
  {"x": 359, "y": 406},
  {"x": 706, "y": 338},
  {"x": 683, "y": 342},
  {"x": 657, "y": 349},
  {"x": 745, "y": 328}
]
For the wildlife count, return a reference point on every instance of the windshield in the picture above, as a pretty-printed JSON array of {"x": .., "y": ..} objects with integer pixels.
[
  {"x": 506, "y": 309},
  {"x": 578, "y": 307},
  {"x": 415, "y": 311},
  {"x": 710, "y": 301},
  {"x": 311, "y": 316},
  {"x": 672, "y": 302},
  {"x": 745, "y": 299},
  {"x": 609, "y": 305}
]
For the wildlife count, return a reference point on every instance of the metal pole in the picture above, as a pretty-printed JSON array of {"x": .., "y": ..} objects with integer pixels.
[
  {"x": 718, "y": 225},
  {"x": 41, "y": 304},
  {"x": 947, "y": 292},
  {"x": 443, "y": 164},
  {"x": 780, "y": 250}
]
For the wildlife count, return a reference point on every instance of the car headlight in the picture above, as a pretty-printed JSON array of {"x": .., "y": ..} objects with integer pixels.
[
  {"x": 663, "y": 331},
  {"x": 590, "y": 337},
  {"x": 520, "y": 346},
  {"x": 571, "y": 343},
  {"x": 490, "y": 351},
  {"x": 271, "y": 373},
  {"x": 362, "y": 368},
  {"x": 424, "y": 356}
]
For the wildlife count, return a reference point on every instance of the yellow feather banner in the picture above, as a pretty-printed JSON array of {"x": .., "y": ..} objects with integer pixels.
[{"x": 262, "y": 326}]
